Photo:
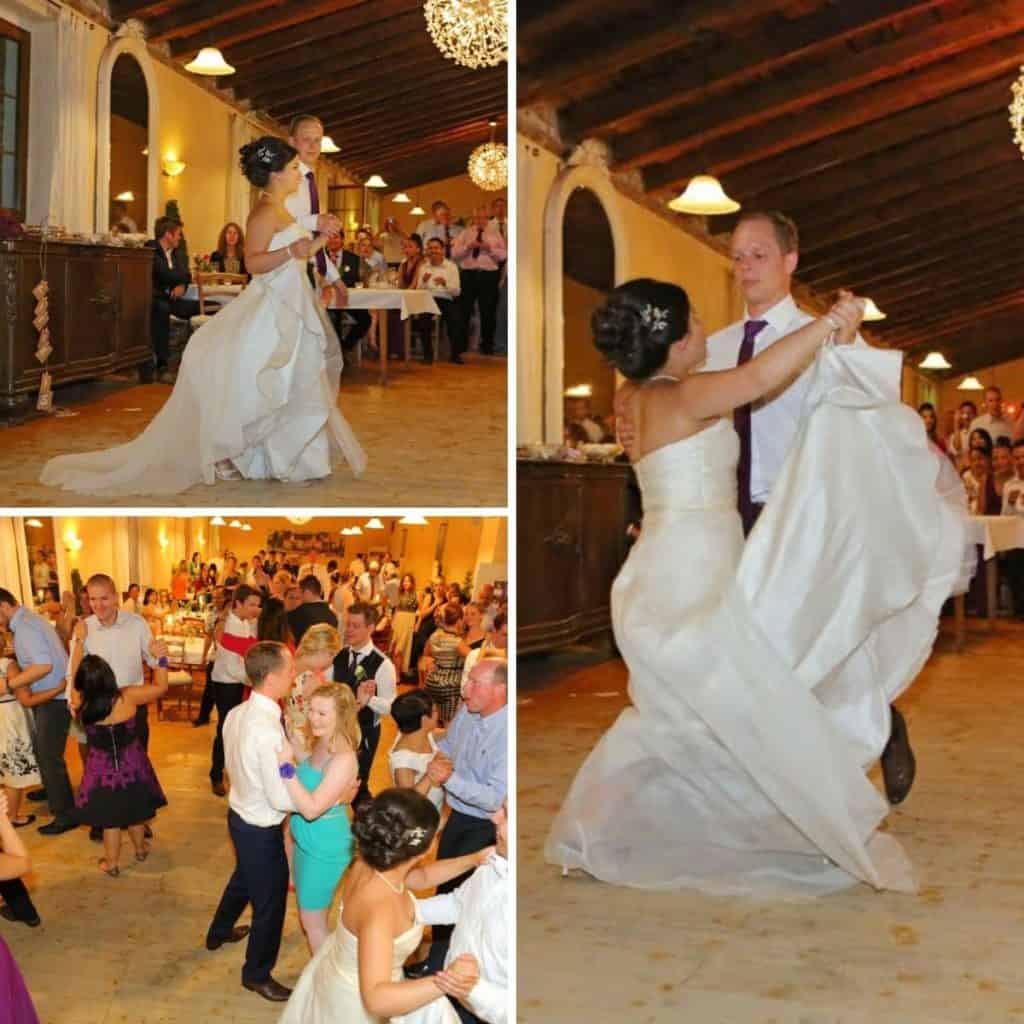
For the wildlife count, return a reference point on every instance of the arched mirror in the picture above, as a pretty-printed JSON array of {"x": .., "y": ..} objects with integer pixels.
[
  {"x": 129, "y": 147},
  {"x": 588, "y": 269}
]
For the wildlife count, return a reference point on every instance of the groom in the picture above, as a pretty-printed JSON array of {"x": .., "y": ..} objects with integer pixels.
[{"x": 765, "y": 253}]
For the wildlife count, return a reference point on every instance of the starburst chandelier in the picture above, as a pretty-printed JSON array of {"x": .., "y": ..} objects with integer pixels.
[
  {"x": 1017, "y": 111},
  {"x": 473, "y": 33},
  {"x": 488, "y": 164}
]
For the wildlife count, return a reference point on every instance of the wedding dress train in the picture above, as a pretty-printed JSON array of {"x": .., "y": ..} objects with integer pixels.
[
  {"x": 257, "y": 390},
  {"x": 761, "y": 675}
]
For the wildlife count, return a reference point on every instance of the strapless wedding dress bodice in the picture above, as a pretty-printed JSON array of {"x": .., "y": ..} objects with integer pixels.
[
  {"x": 257, "y": 391},
  {"x": 761, "y": 674},
  {"x": 328, "y": 990}
]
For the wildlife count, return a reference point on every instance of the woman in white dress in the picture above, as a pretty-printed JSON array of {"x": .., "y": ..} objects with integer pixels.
[
  {"x": 256, "y": 394},
  {"x": 761, "y": 685},
  {"x": 414, "y": 748},
  {"x": 356, "y": 975},
  {"x": 18, "y": 768}
]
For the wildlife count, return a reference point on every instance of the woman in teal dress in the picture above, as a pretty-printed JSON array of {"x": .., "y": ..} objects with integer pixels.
[{"x": 320, "y": 788}]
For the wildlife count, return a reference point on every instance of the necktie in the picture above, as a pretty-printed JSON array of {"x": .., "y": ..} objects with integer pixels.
[
  {"x": 741, "y": 421},
  {"x": 314, "y": 207},
  {"x": 447, "y": 242},
  {"x": 479, "y": 239}
]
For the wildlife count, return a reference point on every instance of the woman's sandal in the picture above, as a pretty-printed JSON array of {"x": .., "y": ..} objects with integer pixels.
[
  {"x": 105, "y": 867},
  {"x": 22, "y": 822}
]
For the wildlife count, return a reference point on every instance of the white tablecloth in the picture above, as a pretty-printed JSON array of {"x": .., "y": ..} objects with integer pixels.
[
  {"x": 996, "y": 533},
  {"x": 222, "y": 294},
  {"x": 410, "y": 301}
]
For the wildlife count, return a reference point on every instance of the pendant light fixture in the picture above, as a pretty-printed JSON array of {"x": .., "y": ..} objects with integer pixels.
[
  {"x": 872, "y": 313},
  {"x": 705, "y": 196},
  {"x": 970, "y": 384},
  {"x": 210, "y": 61},
  {"x": 935, "y": 361},
  {"x": 327, "y": 145}
]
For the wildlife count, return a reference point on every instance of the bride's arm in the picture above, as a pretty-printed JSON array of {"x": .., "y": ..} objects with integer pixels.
[
  {"x": 259, "y": 233},
  {"x": 705, "y": 395}
]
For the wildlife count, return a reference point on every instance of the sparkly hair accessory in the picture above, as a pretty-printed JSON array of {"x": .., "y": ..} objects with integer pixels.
[
  {"x": 414, "y": 836},
  {"x": 264, "y": 154},
  {"x": 654, "y": 318}
]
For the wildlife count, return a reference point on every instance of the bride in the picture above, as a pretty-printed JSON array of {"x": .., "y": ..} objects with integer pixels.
[
  {"x": 761, "y": 685},
  {"x": 256, "y": 394}
]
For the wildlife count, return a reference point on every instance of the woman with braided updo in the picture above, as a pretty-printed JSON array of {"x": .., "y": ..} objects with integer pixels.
[
  {"x": 256, "y": 394},
  {"x": 760, "y": 675},
  {"x": 356, "y": 976}
]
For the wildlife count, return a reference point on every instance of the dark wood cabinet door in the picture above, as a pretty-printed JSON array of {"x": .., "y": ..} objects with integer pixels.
[
  {"x": 93, "y": 306},
  {"x": 136, "y": 292}
]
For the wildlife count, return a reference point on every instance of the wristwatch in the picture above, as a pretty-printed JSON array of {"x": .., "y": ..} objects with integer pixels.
[{"x": 287, "y": 770}]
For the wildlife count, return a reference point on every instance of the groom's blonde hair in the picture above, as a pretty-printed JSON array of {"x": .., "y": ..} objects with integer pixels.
[{"x": 299, "y": 120}]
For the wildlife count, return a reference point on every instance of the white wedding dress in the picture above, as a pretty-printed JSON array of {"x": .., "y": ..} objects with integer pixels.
[
  {"x": 327, "y": 992},
  {"x": 258, "y": 386},
  {"x": 761, "y": 675}
]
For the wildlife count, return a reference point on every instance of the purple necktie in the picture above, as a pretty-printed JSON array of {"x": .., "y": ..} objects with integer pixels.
[
  {"x": 741, "y": 421},
  {"x": 314, "y": 207}
]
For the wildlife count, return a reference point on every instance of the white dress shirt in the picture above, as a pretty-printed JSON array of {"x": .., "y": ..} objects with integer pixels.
[
  {"x": 124, "y": 646},
  {"x": 299, "y": 204},
  {"x": 384, "y": 677},
  {"x": 775, "y": 419},
  {"x": 229, "y": 666},
  {"x": 252, "y": 737},
  {"x": 480, "y": 909},
  {"x": 996, "y": 428},
  {"x": 369, "y": 587},
  {"x": 430, "y": 276}
]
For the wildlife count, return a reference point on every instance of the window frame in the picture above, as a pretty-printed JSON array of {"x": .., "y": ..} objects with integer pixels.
[{"x": 24, "y": 41}]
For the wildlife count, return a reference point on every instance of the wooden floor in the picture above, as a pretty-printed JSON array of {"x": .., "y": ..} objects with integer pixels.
[
  {"x": 130, "y": 950},
  {"x": 434, "y": 436},
  {"x": 952, "y": 953}
]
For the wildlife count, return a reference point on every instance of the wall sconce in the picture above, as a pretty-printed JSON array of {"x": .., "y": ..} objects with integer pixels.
[
  {"x": 172, "y": 167},
  {"x": 164, "y": 542},
  {"x": 72, "y": 543},
  {"x": 125, "y": 197}
]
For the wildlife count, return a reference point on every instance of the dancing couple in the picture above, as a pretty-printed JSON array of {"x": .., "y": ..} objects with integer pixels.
[
  {"x": 257, "y": 391},
  {"x": 762, "y": 673}
]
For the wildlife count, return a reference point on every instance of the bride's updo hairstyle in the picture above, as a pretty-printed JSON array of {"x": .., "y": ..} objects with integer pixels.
[
  {"x": 263, "y": 157},
  {"x": 397, "y": 825},
  {"x": 638, "y": 323}
]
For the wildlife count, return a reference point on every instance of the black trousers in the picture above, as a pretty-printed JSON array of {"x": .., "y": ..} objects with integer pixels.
[
  {"x": 365, "y": 756},
  {"x": 160, "y": 324},
  {"x": 17, "y": 898},
  {"x": 206, "y": 704},
  {"x": 226, "y": 696},
  {"x": 463, "y": 834},
  {"x": 480, "y": 288},
  {"x": 260, "y": 878},
  {"x": 52, "y": 720},
  {"x": 356, "y": 332},
  {"x": 1015, "y": 577}
]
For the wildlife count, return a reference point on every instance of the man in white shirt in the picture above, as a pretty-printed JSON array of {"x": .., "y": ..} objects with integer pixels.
[
  {"x": 258, "y": 803},
  {"x": 235, "y": 637},
  {"x": 481, "y": 910},
  {"x": 441, "y": 278},
  {"x": 369, "y": 585},
  {"x": 306, "y": 133},
  {"x": 315, "y": 567},
  {"x": 480, "y": 252},
  {"x": 499, "y": 217},
  {"x": 131, "y": 602},
  {"x": 992, "y": 418},
  {"x": 439, "y": 227}
]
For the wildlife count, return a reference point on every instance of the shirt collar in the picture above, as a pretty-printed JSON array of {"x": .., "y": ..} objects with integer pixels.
[
  {"x": 262, "y": 703},
  {"x": 780, "y": 316},
  {"x": 304, "y": 169},
  {"x": 365, "y": 649},
  {"x": 113, "y": 625},
  {"x": 17, "y": 616}
]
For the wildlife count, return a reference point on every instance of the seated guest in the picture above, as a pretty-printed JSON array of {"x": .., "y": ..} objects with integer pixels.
[
  {"x": 579, "y": 413},
  {"x": 348, "y": 269},
  {"x": 371, "y": 261},
  {"x": 980, "y": 484},
  {"x": 414, "y": 747},
  {"x": 120, "y": 222},
  {"x": 931, "y": 424},
  {"x": 313, "y": 609},
  {"x": 410, "y": 267},
  {"x": 170, "y": 280},
  {"x": 440, "y": 276},
  {"x": 1002, "y": 465},
  {"x": 958, "y": 444},
  {"x": 229, "y": 256}
]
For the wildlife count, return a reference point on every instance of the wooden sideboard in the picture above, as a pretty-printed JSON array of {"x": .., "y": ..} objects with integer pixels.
[
  {"x": 99, "y": 315},
  {"x": 571, "y": 541}
]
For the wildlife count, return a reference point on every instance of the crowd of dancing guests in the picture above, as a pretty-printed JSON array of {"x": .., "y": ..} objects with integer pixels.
[
  {"x": 988, "y": 452},
  {"x": 304, "y": 661}
]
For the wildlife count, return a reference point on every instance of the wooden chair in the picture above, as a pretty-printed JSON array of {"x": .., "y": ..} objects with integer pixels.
[{"x": 206, "y": 285}]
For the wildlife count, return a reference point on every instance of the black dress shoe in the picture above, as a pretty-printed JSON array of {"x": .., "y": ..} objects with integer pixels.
[
  {"x": 269, "y": 989},
  {"x": 200, "y": 722},
  {"x": 57, "y": 827},
  {"x": 898, "y": 762},
  {"x": 8, "y": 915},
  {"x": 238, "y": 933},
  {"x": 37, "y": 795}
]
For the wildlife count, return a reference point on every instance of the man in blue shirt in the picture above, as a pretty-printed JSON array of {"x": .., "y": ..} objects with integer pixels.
[
  {"x": 39, "y": 685},
  {"x": 472, "y": 765}
]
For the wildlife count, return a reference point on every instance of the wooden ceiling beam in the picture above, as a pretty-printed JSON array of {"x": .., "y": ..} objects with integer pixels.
[
  {"x": 192, "y": 19},
  {"x": 873, "y": 85},
  {"x": 626, "y": 102},
  {"x": 790, "y": 154},
  {"x": 550, "y": 64},
  {"x": 949, "y": 279},
  {"x": 125, "y": 9},
  {"x": 358, "y": 25},
  {"x": 455, "y": 138},
  {"x": 935, "y": 319},
  {"x": 379, "y": 140}
]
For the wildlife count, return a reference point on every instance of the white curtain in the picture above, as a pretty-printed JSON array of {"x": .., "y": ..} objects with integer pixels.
[{"x": 70, "y": 203}]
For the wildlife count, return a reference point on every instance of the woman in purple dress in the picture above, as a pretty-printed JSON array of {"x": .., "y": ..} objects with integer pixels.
[
  {"x": 15, "y": 1002},
  {"x": 119, "y": 788}
]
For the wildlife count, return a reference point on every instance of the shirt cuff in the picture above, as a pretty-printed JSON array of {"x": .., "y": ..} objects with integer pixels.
[{"x": 489, "y": 1001}]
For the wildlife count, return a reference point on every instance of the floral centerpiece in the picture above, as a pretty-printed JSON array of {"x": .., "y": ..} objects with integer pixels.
[{"x": 202, "y": 264}]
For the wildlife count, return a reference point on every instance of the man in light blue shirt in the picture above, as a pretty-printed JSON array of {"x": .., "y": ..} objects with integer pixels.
[
  {"x": 39, "y": 685},
  {"x": 472, "y": 765}
]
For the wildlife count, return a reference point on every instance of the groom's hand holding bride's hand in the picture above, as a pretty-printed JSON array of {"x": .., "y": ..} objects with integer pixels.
[
  {"x": 328, "y": 224},
  {"x": 848, "y": 310}
]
